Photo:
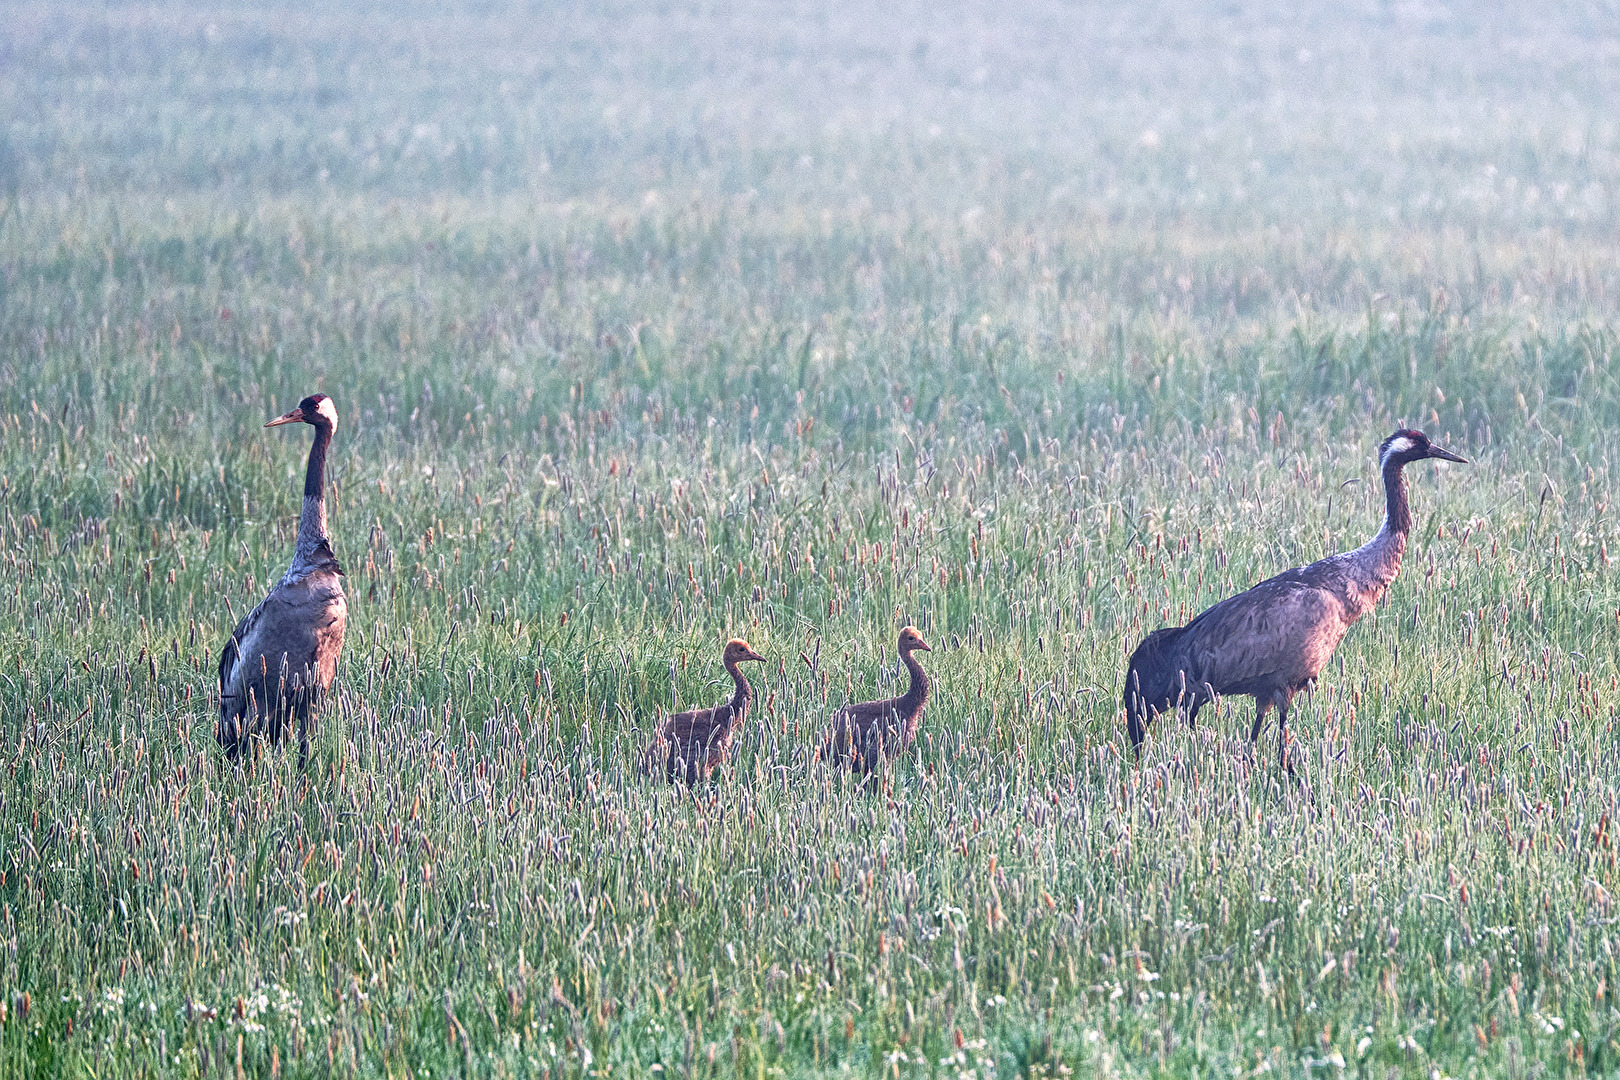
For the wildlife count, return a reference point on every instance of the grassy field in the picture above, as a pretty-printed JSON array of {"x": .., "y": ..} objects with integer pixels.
[{"x": 657, "y": 325}]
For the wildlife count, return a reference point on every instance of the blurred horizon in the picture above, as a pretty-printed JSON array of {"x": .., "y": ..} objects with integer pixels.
[
  {"x": 1223, "y": 116},
  {"x": 1150, "y": 203}
]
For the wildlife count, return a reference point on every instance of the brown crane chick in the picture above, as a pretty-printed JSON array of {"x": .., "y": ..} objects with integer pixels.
[
  {"x": 282, "y": 656},
  {"x": 690, "y": 745},
  {"x": 1272, "y": 641},
  {"x": 866, "y": 733}
]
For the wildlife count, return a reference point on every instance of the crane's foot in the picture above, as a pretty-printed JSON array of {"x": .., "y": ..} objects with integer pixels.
[
  {"x": 1285, "y": 756},
  {"x": 1254, "y": 746}
]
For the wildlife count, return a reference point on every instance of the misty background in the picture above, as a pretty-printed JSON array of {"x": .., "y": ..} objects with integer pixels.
[{"x": 1493, "y": 117}]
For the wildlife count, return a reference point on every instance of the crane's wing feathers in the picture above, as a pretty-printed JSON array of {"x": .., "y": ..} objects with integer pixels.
[
  {"x": 864, "y": 730},
  {"x": 696, "y": 740},
  {"x": 699, "y": 727},
  {"x": 231, "y": 655},
  {"x": 863, "y": 714},
  {"x": 1278, "y": 633},
  {"x": 300, "y": 624}
]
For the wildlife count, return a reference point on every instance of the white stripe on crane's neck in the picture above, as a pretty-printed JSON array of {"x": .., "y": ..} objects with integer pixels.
[{"x": 328, "y": 410}]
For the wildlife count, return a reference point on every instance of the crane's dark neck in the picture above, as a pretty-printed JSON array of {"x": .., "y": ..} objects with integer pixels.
[
  {"x": 1379, "y": 560},
  {"x": 917, "y": 693},
  {"x": 1397, "y": 512},
  {"x": 312, "y": 534},
  {"x": 744, "y": 694}
]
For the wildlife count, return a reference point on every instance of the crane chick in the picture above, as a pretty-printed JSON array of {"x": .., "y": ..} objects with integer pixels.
[
  {"x": 1273, "y": 640},
  {"x": 690, "y": 745},
  {"x": 865, "y": 733},
  {"x": 282, "y": 656}
]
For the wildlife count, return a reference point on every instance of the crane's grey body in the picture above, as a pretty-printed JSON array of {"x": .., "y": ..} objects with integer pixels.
[
  {"x": 282, "y": 657},
  {"x": 1273, "y": 640}
]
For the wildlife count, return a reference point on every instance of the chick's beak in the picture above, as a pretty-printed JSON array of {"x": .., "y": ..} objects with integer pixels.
[
  {"x": 294, "y": 417},
  {"x": 752, "y": 655},
  {"x": 923, "y": 645},
  {"x": 1447, "y": 455}
]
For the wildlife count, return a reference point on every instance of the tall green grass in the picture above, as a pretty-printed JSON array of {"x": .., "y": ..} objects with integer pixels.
[{"x": 822, "y": 381}]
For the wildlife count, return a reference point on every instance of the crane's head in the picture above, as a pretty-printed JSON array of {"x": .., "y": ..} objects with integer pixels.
[
  {"x": 737, "y": 651},
  {"x": 912, "y": 641},
  {"x": 317, "y": 409},
  {"x": 1407, "y": 445},
  {"x": 1154, "y": 681}
]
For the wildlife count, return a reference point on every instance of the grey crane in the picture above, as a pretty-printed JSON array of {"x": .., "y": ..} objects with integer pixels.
[
  {"x": 1273, "y": 640},
  {"x": 282, "y": 656},
  {"x": 864, "y": 733},
  {"x": 690, "y": 745}
]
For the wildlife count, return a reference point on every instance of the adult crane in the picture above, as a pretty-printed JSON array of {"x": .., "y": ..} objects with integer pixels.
[
  {"x": 281, "y": 658},
  {"x": 1272, "y": 641}
]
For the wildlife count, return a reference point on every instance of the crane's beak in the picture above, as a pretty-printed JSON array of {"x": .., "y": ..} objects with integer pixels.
[
  {"x": 1447, "y": 455},
  {"x": 923, "y": 646},
  {"x": 752, "y": 655},
  {"x": 294, "y": 417}
]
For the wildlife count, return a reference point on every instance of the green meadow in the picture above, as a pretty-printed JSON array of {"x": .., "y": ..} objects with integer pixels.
[{"x": 653, "y": 325}]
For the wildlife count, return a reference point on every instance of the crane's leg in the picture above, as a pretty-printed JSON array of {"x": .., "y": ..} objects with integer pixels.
[
  {"x": 281, "y": 715},
  {"x": 881, "y": 763},
  {"x": 1260, "y": 707},
  {"x": 247, "y": 725},
  {"x": 303, "y": 734},
  {"x": 1134, "y": 725},
  {"x": 228, "y": 736},
  {"x": 1205, "y": 695},
  {"x": 1282, "y": 733}
]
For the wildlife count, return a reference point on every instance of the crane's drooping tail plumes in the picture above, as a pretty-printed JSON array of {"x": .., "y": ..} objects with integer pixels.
[
  {"x": 281, "y": 658},
  {"x": 1272, "y": 641}
]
